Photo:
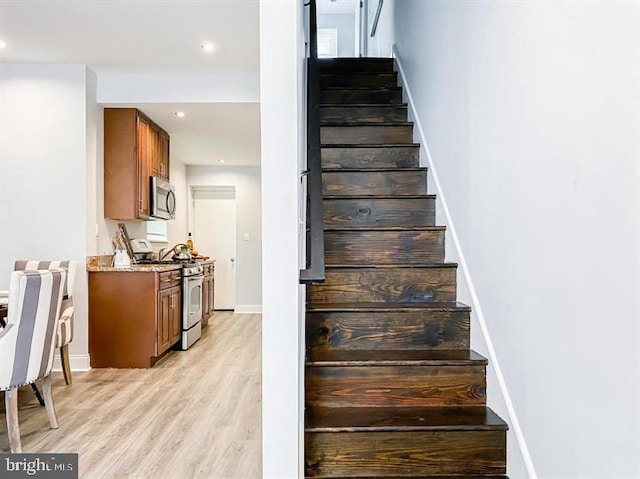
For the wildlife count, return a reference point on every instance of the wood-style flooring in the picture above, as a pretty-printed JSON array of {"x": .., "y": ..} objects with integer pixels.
[{"x": 196, "y": 414}]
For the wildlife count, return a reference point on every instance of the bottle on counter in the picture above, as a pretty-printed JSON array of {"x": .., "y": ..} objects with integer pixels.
[{"x": 190, "y": 242}]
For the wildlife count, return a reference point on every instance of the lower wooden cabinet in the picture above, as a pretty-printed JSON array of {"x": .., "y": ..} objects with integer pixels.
[
  {"x": 208, "y": 287},
  {"x": 134, "y": 317}
]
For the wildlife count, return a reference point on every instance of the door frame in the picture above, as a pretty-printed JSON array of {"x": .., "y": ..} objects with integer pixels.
[{"x": 222, "y": 190}]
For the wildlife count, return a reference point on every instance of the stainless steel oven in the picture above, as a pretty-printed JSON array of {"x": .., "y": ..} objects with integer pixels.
[{"x": 191, "y": 304}]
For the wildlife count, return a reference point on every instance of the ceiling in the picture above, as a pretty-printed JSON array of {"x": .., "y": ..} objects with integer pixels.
[
  {"x": 153, "y": 37},
  {"x": 337, "y": 7}
]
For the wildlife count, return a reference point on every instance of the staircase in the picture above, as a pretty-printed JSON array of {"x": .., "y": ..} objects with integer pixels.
[{"x": 392, "y": 388}]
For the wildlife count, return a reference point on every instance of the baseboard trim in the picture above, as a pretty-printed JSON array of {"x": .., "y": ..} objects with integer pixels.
[
  {"x": 464, "y": 268},
  {"x": 77, "y": 362},
  {"x": 248, "y": 309}
]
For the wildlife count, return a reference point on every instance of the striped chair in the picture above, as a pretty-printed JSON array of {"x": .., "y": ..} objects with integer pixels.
[
  {"x": 27, "y": 343},
  {"x": 64, "y": 334}
]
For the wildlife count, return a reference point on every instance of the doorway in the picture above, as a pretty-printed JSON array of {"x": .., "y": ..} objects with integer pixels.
[{"x": 214, "y": 233}]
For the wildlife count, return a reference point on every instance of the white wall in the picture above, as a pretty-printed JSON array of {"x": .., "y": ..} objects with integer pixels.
[
  {"x": 380, "y": 45},
  {"x": 246, "y": 181},
  {"x": 178, "y": 228},
  {"x": 280, "y": 31},
  {"x": 531, "y": 111},
  {"x": 44, "y": 119},
  {"x": 346, "y": 31}
]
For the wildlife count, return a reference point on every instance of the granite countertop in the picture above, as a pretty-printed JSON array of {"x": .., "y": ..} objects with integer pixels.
[
  {"x": 103, "y": 264},
  {"x": 136, "y": 268}
]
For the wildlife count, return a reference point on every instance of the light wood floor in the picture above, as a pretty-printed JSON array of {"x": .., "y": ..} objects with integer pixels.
[{"x": 197, "y": 414}]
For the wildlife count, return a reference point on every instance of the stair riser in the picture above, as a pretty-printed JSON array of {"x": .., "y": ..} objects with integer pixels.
[
  {"x": 388, "y": 330},
  {"x": 383, "y": 247},
  {"x": 361, "y": 96},
  {"x": 359, "y": 157},
  {"x": 364, "y": 285},
  {"x": 358, "y": 80},
  {"x": 402, "y": 386},
  {"x": 385, "y": 454},
  {"x": 370, "y": 114},
  {"x": 358, "y": 65},
  {"x": 360, "y": 183},
  {"x": 379, "y": 212},
  {"x": 366, "y": 135}
]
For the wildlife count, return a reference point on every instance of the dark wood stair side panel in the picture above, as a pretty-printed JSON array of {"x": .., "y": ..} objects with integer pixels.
[
  {"x": 379, "y": 212},
  {"x": 361, "y": 95},
  {"x": 398, "y": 386},
  {"x": 366, "y": 135},
  {"x": 358, "y": 183},
  {"x": 402, "y": 156},
  {"x": 356, "y": 65},
  {"x": 412, "y": 454},
  {"x": 405, "y": 285},
  {"x": 388, "y": 330},
  {"x": 372, "y": 79},
  {"x": 384, "y": 247}
]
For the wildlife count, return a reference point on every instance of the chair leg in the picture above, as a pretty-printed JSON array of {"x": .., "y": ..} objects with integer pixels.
[
  {"x": 64, "y": 359},
  {"x": 11, "y": 406},
  {"x": 48, "y": 401}
]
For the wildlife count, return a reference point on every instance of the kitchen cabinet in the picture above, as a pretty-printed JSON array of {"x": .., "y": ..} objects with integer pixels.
[
  {"x": 207, "y": 291},
  {"x": 134, "y": 148},
  {"x": 135, "y": 315}
]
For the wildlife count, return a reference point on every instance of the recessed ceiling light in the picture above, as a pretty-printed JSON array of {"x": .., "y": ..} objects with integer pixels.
[
  {"x": 2, "y": 45},
  {"x": 180, "y": 114},
  {"x": 220, "y": 161},
  {"x": 207, "y": 47}
]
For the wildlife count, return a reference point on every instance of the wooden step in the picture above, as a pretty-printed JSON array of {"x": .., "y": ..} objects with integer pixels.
[
  {"x": 442, "y": 442},
  {"x": 361, "y": 95},
  {"x": 358, "y": 79},
  {"x": 402, "y": 284},
  {"x": 356, "y": 65},
  {"x": 388, "y": 326},
  {"x": 364, "y": 211},
  {"x": 390, "y": 378},
  {"x": 385, "y": 182},
  {"x": 363, "y": 113},
  {"x": 370, "y": 156},
  {"x": 366, "y": 134},
  {"x": 380, "y": 246}
]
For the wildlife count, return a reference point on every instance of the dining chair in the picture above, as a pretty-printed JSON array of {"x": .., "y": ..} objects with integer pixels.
[
  {"x": 27, "y": 342},
  {"x": 64, "y": 333}
]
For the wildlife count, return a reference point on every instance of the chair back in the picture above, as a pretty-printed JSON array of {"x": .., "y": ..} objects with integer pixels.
[
  {"x": 70, "y": 265},
  {"x": 27, "y": 342}
]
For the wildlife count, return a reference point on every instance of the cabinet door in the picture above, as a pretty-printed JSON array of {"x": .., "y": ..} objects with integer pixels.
[
  {"x": 176, "y": 315},
  {"x": 163, "y": 155},
  {"x": 205, "y": 302},
  {"x": 211, "y": 290},
  {"x": 143, "y": 167},
  {"x": 164, "y": 320},
  {"x": 154, "y": 150}
]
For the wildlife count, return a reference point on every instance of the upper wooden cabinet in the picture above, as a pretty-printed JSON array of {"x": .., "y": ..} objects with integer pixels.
[{"x": 134, "y": 149}]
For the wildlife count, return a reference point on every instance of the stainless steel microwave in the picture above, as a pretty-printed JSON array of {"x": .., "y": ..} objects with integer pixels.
[{"x": 163, "y": 199}]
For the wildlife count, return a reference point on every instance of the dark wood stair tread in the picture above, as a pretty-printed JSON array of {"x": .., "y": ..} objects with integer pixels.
[
  {"x": 381, "y": 197},
  {"x": 368, "y": 88},
  {"x": 389, "y": 307},
  {"x": 393, "y": 266},
  {"x": 464, "y": 476},
  {"x": 361, "y": 105},
  {"x": 390, "y": 169},
  {"x": 370, "y": 145},
  {"x": 385, "y": 228},
  {"x": 321, "y": 357},
  {"x": 357, "y": 123},
  {"x": 403, "y": 419}
]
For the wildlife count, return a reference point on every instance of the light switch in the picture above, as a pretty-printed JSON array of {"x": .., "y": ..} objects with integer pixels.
[{"x": 246, "y": 236}]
